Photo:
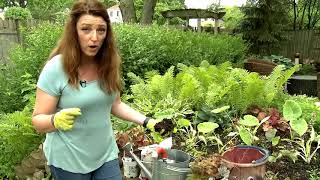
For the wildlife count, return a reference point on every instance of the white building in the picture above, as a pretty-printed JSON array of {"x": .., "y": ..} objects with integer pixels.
[{"x": 115, "y": 14}]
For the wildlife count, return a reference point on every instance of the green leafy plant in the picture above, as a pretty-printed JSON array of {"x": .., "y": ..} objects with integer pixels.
[
  {"x": 292, "y": 112},
  {"x": 222, "y": 116},
  {"x": 17, "y": 139},
  {"x": 305, "y": 147},
  {"x": 189, "y": 139},
  {"x": 248, "y": 127},
  {"x": 146, "y": 48},
  {"x": 280, "y": 60},
  {"x": 18, "y": 13}
]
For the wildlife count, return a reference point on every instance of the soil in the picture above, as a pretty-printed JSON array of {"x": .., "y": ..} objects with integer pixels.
[
  {"x": 285, "y": 168},
  {"x": 164, "y": 127}
]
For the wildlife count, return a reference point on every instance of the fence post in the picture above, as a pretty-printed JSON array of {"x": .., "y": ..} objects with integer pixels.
[{"x": 18, "y": 30}]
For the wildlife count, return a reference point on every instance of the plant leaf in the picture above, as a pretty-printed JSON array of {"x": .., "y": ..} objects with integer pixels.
[
  {"x": 299, "y": 125},
  {"x": 275, "y": 140},
  {"x": 184, "y": 122},
  {"x": 270, "y": 134},
  {"x": 207, "y": 127},
  {"x": 249, "y": 120},
  {"x": 291, "y": 110},
  {"x": 221, "y": 109},
  {"x": 202, "y": 138},
  {"x": 246, "y": 136}
]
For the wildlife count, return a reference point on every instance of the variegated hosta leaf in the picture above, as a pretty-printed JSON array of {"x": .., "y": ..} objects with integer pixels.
[
  {"x": 165, "y": 114},
  {"x": 221, "y": 109}
]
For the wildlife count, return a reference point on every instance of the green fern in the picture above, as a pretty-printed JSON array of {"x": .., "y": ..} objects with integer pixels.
[{"x": 17, "y": 139}]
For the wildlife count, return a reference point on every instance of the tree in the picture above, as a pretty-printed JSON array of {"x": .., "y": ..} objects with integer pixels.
[
  {"x": 306, "y": 13},
  {"x": 48, "y": 9},
  {"x": 263, "y": 24},
  {"x": 128, "y": 11},
  {"x": 145, "y": 11},
  {"x": 11, "y": 3},
  {"x": 148, "y": 11},
  {"x": 233, "y": 18}
]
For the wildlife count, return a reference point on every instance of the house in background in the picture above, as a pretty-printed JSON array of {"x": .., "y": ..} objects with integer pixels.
[{"x": 115, "y": 14}]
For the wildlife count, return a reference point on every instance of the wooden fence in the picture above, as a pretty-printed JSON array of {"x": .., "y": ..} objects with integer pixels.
[
  {"x": 305, "y": 42},
  {"x": 10, "y": 35}
]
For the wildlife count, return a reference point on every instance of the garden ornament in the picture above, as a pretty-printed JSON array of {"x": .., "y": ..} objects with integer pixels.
[{"x": 64, "y": 119}]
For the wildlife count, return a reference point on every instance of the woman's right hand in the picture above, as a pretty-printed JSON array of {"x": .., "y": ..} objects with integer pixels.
[{"x": 64, "y": 119}]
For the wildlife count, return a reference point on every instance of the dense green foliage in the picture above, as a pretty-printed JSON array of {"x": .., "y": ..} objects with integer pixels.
[
  {"x": 18, "y": 13},
  {"x": 208, "y": 86},
  {"x": 17, "y": 139},
  {"x": 146, "y": 48},
  {"x": 142, "y": 49},
  {"x": 233, "y": 18},
  {"x": 26, "y": 62},
  {"x": 263, "y": 25},
  {"x": 49, "y": 9}
]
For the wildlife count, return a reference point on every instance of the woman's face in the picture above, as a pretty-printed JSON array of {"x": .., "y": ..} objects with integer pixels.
[{"x": 92, "y": 31}]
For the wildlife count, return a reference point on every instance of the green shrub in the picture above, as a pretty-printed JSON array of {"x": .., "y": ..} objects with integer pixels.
[
  {"x": 17, "y": 13},
  {"x": 17, "y": 139},
  {"x": 146, "y": 48},
  {"x": 18, "y": 78},
  {"x": 38, "y": 42},
  {"x": 142, "y": 49}
]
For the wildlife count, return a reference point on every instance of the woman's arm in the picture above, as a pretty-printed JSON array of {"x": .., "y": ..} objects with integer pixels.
[
  {"x": 45, "y": 107},
  {"x": 125, "y": 112}
]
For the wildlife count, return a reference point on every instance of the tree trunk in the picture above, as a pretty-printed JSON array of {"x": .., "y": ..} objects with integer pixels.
[
  {"x": 128, "y": 11},
  {"x": 302, "y": 17},
  {"x": 22, "y": 3},
  {"x": 294, "y": 15},
  {"x": 148, "y": 11}
]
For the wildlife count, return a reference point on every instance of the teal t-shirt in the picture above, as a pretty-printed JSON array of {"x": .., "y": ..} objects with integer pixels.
[{"x": 91, "y": 142}]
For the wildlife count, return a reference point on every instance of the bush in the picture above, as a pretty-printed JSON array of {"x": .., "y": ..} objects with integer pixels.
[
  {"x": 17, "y": 139},
  {"x": 26, "y": 63},
  {"x": 147, "y": 48},
  {"x": 142, "y": 49},
  {"x": 18, "y": 13}
]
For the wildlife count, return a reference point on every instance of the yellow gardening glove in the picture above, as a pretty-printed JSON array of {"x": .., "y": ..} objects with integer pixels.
[
  {"x": 64, "y": 119},
  {"x": 149, "y": 123}
]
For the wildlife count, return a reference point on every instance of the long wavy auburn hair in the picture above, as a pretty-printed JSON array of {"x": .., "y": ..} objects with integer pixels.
[{"x": 107, "y": 58}]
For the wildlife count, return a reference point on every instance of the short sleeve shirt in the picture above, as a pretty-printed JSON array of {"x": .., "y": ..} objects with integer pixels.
[{"x": 91, "y": 142}]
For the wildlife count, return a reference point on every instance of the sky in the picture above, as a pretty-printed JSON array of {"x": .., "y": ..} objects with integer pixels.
[{"x": 205, "y": 3}]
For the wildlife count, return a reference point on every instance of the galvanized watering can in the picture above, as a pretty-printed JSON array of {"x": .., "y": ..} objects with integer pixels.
[{"x": 174, "y": 167}]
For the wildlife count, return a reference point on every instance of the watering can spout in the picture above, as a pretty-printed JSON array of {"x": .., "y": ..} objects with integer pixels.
[{"x": 128, "y": 148}]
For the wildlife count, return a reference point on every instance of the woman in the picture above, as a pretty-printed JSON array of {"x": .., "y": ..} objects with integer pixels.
[{"x": 77, "y": 90}]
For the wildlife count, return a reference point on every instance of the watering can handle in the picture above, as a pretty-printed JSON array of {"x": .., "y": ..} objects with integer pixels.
[{"x": 185, "y": 170}]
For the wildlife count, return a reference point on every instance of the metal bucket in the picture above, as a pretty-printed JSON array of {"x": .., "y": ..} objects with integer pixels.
[{"x": 175, "y": 169}]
